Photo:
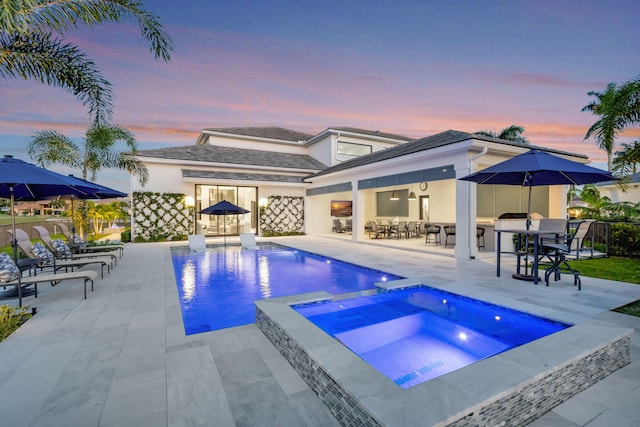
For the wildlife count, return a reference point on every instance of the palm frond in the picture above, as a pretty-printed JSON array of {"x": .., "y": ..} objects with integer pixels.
[
  {"x": 59, "y": 16},
  {"x": 135, "y": 167},
  {"x": 50, "y": 61},
  {"x": 50, "y": 147}
]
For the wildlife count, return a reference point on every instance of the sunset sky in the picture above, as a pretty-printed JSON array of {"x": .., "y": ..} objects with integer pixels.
[{"x": 410, "y": 67}]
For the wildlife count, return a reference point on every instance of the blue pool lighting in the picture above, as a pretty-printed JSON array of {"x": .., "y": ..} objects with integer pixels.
[
  {"x": 417, "y": 334},
  {"x": 217, "y": 287}
]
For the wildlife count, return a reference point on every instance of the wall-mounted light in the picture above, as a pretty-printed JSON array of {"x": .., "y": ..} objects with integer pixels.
[
  {"x": 263, "y": 202},
  {"x": 394, "y": 195},
  {"x": 188, "y": 200}
]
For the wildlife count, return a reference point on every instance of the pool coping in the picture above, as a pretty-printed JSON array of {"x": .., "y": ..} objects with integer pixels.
[{"x": 515, "y": 387}]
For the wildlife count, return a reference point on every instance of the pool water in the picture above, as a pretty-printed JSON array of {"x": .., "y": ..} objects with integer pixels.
[
  {"x": 417, "y": 334},
  {"x": 217, "y": 287}
]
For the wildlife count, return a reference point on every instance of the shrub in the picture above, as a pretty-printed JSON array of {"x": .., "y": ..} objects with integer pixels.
[
  {"x": 625, "y": 240},
  {"x": 11, "y": 318}
]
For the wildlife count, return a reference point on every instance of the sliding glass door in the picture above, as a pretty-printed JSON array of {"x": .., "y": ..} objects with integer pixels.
[{"x": 212, "y": 225}]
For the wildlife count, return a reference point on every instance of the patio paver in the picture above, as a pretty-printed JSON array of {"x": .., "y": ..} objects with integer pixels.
[{"x": 121, "y": 357}]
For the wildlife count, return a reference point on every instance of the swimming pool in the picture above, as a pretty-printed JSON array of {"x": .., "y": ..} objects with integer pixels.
[
  {"x": 417, "y": 334},
  {"x": 217, "y": 287}
]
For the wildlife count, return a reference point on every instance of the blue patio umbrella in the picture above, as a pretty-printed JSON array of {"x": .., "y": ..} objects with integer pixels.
[
  {"x": 20, "y": 180},
  {"x": 535, "y": 168},
  {"x": 224, "y": 208}
]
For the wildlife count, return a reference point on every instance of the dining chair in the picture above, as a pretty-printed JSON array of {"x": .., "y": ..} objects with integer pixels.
[{"x": 412, "y": 230}]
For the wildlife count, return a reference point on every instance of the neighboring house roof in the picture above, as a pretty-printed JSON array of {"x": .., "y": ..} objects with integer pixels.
[
  {"x": 192, "y": 173},
  {"x": 635, "y": 178},
  {"x": 238, "y": 156},
  {"x": 276, "y": 133},
  {"x": 434, "y": 141}
]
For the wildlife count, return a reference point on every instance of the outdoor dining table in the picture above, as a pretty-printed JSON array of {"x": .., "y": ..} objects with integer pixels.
[{"x": 536, "y": 244}]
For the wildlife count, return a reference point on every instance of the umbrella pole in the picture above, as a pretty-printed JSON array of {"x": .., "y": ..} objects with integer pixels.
[
  {"x": 529, "y": 207},
  {"x": 14, "y": 241},
  {"x": 224, "y": 230},
  {"x": 73, "y": 220}
]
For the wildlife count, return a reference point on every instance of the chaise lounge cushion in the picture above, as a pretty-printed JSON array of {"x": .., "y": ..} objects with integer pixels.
[
  {"x": 8, "y": 269},
  {"x": 43, "y": 253},
  {"x": 62, "y": 248}
]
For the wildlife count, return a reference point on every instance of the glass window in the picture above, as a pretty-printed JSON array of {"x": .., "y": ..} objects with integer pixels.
[
  {"x": 387, "y": 207},
  {"x": 212, "y": 225},
  {"x": 351, "y": 149}
]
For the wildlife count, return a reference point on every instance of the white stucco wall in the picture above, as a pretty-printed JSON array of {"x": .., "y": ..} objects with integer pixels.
[
  {"x": 240, "y": 141},
  {"x": 616, "y": 195}
]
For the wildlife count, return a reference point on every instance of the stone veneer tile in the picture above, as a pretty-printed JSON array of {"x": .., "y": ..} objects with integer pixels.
[{"x": 574, "y": 362}]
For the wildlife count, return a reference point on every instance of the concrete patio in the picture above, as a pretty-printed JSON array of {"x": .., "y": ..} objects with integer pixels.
[{"x": 121, "y": 357}]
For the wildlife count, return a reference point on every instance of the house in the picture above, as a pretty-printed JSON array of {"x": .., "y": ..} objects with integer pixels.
[
  {"x": 612, "y": 190},
  {"x": 251, "y": 167},
  {"x": 288, "y": 180}
]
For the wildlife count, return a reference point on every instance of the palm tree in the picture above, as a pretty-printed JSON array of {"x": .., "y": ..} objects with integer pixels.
[
  {"x": 630, "y": 100},
  {"x": 511, "y": 133},
  {"x": 627, "y": 159},
  {"x": 30, "y": 50},
  {"x": 618, "y": 108},
  {"x": 51, "y": 147}
]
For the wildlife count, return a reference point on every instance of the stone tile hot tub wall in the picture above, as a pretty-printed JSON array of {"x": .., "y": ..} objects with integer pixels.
[{"x": 513, "y": 388}]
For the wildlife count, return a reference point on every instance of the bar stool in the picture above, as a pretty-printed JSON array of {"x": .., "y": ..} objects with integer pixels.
[
  {"x": 449, "y": 230},
  {"x": 480, "y": 235},
  {"x": 432, "y": 230}
]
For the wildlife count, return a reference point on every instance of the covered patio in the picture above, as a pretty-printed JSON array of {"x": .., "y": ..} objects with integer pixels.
[{"x": 419, "y": 181}]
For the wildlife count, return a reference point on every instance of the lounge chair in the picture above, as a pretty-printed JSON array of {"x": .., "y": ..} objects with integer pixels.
[
  {"x": 248, "y": 240},
  {"x": 197, "y": 243},
  {"x": 62, "y": 251},
  {"x": 82, "y": 245},
  {"x": 48, "y": 259},
  {"x": 10, "y": 276}
]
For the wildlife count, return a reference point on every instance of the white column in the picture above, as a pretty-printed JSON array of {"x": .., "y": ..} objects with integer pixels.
[
  {"x": 358, "y": 215},
  {"x": 466, "y": 210}
]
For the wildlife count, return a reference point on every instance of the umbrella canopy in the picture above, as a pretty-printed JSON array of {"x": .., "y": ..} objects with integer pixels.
[
  {"x": 535, "y": 168},
  {"x": 224, "y": 208},
  {"x": 97, "y": 192},
  {"x": 20, "y": 180}
]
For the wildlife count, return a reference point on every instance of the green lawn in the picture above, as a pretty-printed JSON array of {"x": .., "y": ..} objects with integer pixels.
[
  {"x": 6, "y": 219},
  {"x": 614, "y": 268}
]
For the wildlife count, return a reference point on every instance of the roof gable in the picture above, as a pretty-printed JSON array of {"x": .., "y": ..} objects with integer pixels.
[
  {"x": 427, "y": 143},
  {"x": 275, "y": 133}
]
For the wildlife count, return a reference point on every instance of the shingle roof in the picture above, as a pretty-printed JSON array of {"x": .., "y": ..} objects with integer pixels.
[
  {"x": 239, "y": 156},
  {"x": 192, "y": 173},
  {"x": 265, "y": 132},
  {"x": 632, "y": 179},
  {"x": 372, "y": 133},
  {"x": 427, "y": 143}
]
